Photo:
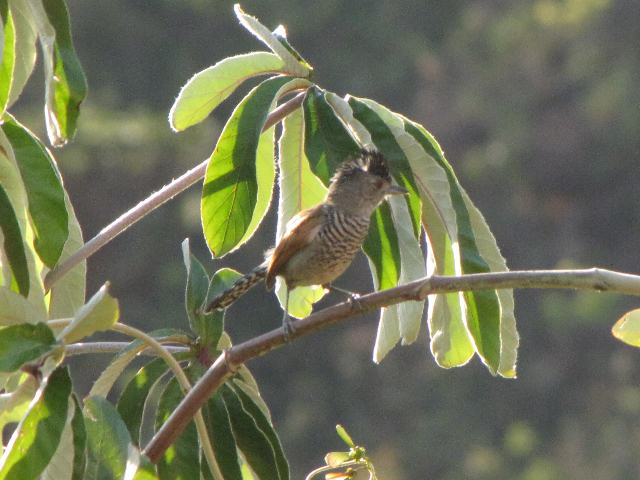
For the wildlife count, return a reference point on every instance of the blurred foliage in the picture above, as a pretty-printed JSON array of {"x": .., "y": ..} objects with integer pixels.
[{"x": 536, "y": 105}]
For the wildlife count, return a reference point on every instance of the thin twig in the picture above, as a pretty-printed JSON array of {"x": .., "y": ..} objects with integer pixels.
[
  {"x": 152, "y": 202},
  {"x": 590, "y": 279}
]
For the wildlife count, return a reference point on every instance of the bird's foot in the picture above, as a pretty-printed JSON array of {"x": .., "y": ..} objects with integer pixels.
[
  {"x": 287, "y": 327},
  {"x": 352, "y": 297}
]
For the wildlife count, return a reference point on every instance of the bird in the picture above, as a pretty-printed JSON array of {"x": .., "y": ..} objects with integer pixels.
[{"x": 319, "y": 243}]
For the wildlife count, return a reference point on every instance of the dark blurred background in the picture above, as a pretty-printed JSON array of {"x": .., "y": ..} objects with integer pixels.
[{"x": 537, "y": 106}]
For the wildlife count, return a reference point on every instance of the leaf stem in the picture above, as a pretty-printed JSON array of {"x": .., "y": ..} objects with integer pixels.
[
  {"x": 152, "y": 202},
  {"x": 589, "y": 279}
]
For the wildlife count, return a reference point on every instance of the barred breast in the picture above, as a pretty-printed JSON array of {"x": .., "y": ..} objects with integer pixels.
[{"x": 330, "y": 253}]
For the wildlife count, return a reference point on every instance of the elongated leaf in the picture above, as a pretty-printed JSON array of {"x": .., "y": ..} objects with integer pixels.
[
  {"x": 327, "y": 143},
  {"x": 196, "y": 291},
  {"x": 13, "y": 245},
  {"x": 488, "y": 248},
  {"x": 221, "y": 280},
  {"x": 45, "y": 194},
  {"x": 15, "y": 309},
  {"x": 25, "y": 47},
  {"x": 239, "y": 179},
  {"x": 60, "y": 467},
  {"x": 254, "y": 443},
  {"x": 299, "y": 189},
  {"x": 7, "y": 54},
  {"x": 79, "y": 442},
  {"x": 132, "y": 399},
  {"x": 292, "y": 65},
  {"x": 98, "y": 314},
  {"x": 139, "y": 467},
  {"x": 68, "y": 294},
  {"x": 108, "y": 440},
  {"x": 65, "y": 83},
  {"x": 482, "y": 307},
  {"x": 38, "y": 434},
  {"x": 210, "y": 87},
  {"x": 399, "y": 166},
  {"x": 181, "y": 459},
  {"x": 219, "y": 427},
  {"x": 24, "y": 343}
]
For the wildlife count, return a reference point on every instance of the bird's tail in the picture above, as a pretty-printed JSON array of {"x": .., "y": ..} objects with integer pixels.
[{"x": 239, "y": 288}]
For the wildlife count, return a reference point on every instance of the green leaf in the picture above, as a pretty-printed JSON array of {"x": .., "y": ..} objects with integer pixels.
[
  {"x": 16, "y": 397},
  {"x": 60, "y": 467},
  {"x": 139, "y": 467},
  {"x": 196, "y": 290},
  {"x": 68, "y": 294},
  {"x": 25, "y": 47},
  {"x": 37, "y": 436},
  {"x": 15, "y": 309},
  {"x": 79, "y": 442},
  {"x": 132, "y": 399},
  {"x": 24, "y": 343},
  {"x": 13, "y": 245},
  {"x": 181, "y": 460},
  {"x": 483, "y": 320},
  {"x": 346, "y": 438},
  {"x": 45, "y": 194},
  {"x": 213, "y": 328},
  {"x": 627, "y": 328},
  {"x": 219, "y": 427},
  {"x": 100, "y": 313},
  {"x": 292, "y": 65},
  {"x": 65, "y": 83},
  {"x": 327, "y": 143},
  {"x": 210, "y": 87},
  {"x": 7, "y": 54},
  {"x": 239, "y": 179},
  {"x": 383, "y": 138},
  {"x": 108, "y": 440},
  {"x": 299, "y": 189},
  {"x": 261, "y": 453},
  {"x": 280, "y": 34}
]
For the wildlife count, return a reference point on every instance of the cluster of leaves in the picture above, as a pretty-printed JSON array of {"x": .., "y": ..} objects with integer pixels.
[{"x": 315, "y": 139}]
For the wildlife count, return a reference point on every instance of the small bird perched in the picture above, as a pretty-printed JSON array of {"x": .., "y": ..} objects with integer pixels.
[{"x": 320, "y": 242}]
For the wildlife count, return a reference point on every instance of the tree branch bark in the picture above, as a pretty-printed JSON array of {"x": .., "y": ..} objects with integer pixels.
[
  {"x": 152, "y": 202},
  {"x": 591, "y": 279}
]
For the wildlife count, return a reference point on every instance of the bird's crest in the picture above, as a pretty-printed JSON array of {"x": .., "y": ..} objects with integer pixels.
[{"x": 370, "y": 161}]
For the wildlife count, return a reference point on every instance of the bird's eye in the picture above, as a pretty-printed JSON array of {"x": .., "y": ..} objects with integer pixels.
[{"x": 379, "y": 183}]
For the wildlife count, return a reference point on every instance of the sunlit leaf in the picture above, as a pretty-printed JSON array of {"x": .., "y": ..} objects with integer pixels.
[
  {"x": 45, "y": 194},
  {"x": 7, "y": 53},
  {"x": 15, "y": 399},
  {"x": 25, "y": 47},
  {"x": 627, "y": 328},
  {"x": 210, "y": 87},
  {"x": 132, "y": 399},
  {"x": 65, "y": 83},
  {"x": 259, "y": 451},
  {"x": 139, "y": 467},
  {"x": 108, "y": 440},
  {"x": 483, "y": 320},
  {"x": 239, "y": 180},
  {"x": 24, "y": 343},
  {"x": 13, "y": 245},
  {"x": 15, "y": 309},
  {"x": 98, "y": 314},
  {"x": 346, "y": 438},
  {"x": 68, "y": 294},
  {"x": 299, "y": 189},
  {"x": 292, "y": 65},
  {"x": 327, "y": 143},
  {"x": 60, "y": 467},
  {"x": 37, "y": 436},
  {"x": 181, "y": 460}
]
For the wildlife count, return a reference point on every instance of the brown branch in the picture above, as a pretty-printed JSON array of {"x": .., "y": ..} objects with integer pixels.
[
  {"x": 226, "y": 364},
  {"x": 152, "y": 202}
]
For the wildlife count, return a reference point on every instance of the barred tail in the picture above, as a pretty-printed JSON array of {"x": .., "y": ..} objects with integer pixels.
[{"x": 239, "y": 288}]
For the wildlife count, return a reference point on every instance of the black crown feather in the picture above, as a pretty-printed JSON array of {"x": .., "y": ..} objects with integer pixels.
[{"x": 370, "y": 161}]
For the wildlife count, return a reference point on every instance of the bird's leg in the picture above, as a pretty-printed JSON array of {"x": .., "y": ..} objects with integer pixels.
[
  {"x": 286, "y": 319},
  {"x": 352, "y": 297}
]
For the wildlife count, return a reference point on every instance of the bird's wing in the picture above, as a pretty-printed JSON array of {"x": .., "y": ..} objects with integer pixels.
[{"x": 301, "y": 230}]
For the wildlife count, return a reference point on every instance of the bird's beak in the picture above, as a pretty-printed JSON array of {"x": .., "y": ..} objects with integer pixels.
[{"x": 396, "y": 190}]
